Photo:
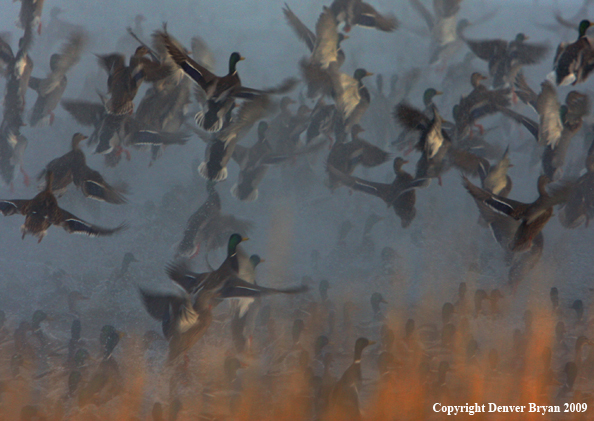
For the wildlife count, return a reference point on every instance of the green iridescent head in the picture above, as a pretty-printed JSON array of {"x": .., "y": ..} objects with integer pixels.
[
  {"x": 429, "y": 94},
  {"x": 361, "y": 73},
  {"x": 234, "y": 241},
  {"x": 255, "y": 260},
  {"x": 233, "y": 60}
]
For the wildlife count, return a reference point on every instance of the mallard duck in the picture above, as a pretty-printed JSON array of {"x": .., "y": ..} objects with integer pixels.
[
  {"x": 507, "y": 58},
  {"x": 357, "y": 12},
  {"x": 344, "y": 399},
  {"x": 446, "y": 32},
  {"x": 346, "y": 156},
  {"x": 351, "y": 98},
  {"x": 479, "y": 103},
  {"x": 399, "y": 195},
  {"x": 220, "y": 150},
  {"x": 209, "y": 227},
  {"x": 533, "y": 216},
  {"x": 243, "y": 312},
  {"x": 324, "y": 45},
  {"x": 43, "y": 211},
  {"x": 580, "y": 204},
  {"x": 186, "y": 318},
  {"x": 523, "y": 263},
  {"x": 577, "y": 106},
  {"x": 325, "y": 50},
  {"x": 124, "y": 80},
  {"x": 72, "y": 168},
  {"x": 494, "y": 178},
  {"x": 253, "y": 164},
  {"x": 51, "y": 89},
  {"x": 573, "y": 62},
  {"x": 434, "y": 142},
  {"x": 220, "y": 91}
]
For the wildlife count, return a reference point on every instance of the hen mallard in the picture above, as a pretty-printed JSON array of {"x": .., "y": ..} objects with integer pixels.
[
  {"x": 533, "y": 216},
  {"x": 43, "y": 211},
  {"x": 580, "y": 204},
  {"x": 325, "y": 49},
  {"x": 72, "y": 168},
  {"x": 351, "y": 98},
  {"x": 220, "y": 150},
  {"x": 51, "y": 89},
  {"x": 345, "y": 157},
  {"x": 344, "y": 399},
  {"x": 208, "y": 227},
  {"x": 399, "y": 195},
  {"x": 507, "y": 58}
]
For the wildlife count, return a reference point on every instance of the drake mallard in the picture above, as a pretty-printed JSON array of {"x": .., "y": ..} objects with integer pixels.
[
  {"x": 52, "y": 87},
  {"x": 186, "y": 318},
  {"x": 221, "y": 92},
  {"x": 43, "y": 211},
  {"x": 573, "y": 62},
  {"x": 506, "y": 58},
  {"x": 357, "y": 12},
  {"x": 72, "y": 168}
]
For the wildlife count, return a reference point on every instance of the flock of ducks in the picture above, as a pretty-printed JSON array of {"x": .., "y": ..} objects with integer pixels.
[{"x": 203, "y": 363}]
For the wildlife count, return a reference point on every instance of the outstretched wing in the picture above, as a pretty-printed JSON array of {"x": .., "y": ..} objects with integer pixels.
[
  {"x": 95, "y": 187},
  {"x": 302, "y": 31},
  {"x": 11, "y": 207},
  {"x": 198, "y": 73},
  {"x": 75, "y": 225},
  {"x": 238, "y": 288}
]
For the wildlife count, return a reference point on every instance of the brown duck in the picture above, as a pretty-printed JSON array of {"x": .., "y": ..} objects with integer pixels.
[
  {"x": 533, "y": 216},
  {"x": 43, "y": 211},
  {"x": 72, "y": 168},
  {"x": 399, "y": 195}
]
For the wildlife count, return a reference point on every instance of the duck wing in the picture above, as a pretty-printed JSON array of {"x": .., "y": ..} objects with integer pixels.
[
  {"x": 180, "y": 273},
  {"x": 199, "y": 74},
  {"x": 11, "y": 207},
  {"x": 75, "y": 225},
  {"x": 238, "y": 288},
  {"x": 302, "y": 31},
  {"x": 95, "y": 187}
]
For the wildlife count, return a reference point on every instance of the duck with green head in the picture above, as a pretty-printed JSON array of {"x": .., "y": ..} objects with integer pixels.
[
  {"x": 186, "y": 318},
  {"x": 571, "y": 64},
  {"x": 221, "y": 91}
]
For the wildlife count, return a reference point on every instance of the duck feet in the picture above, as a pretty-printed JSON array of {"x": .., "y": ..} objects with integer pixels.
[
  {"x": 480, "y": 128},
  {"x": 121, "y": 150},
  {"x": 26, "y": 178}
]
